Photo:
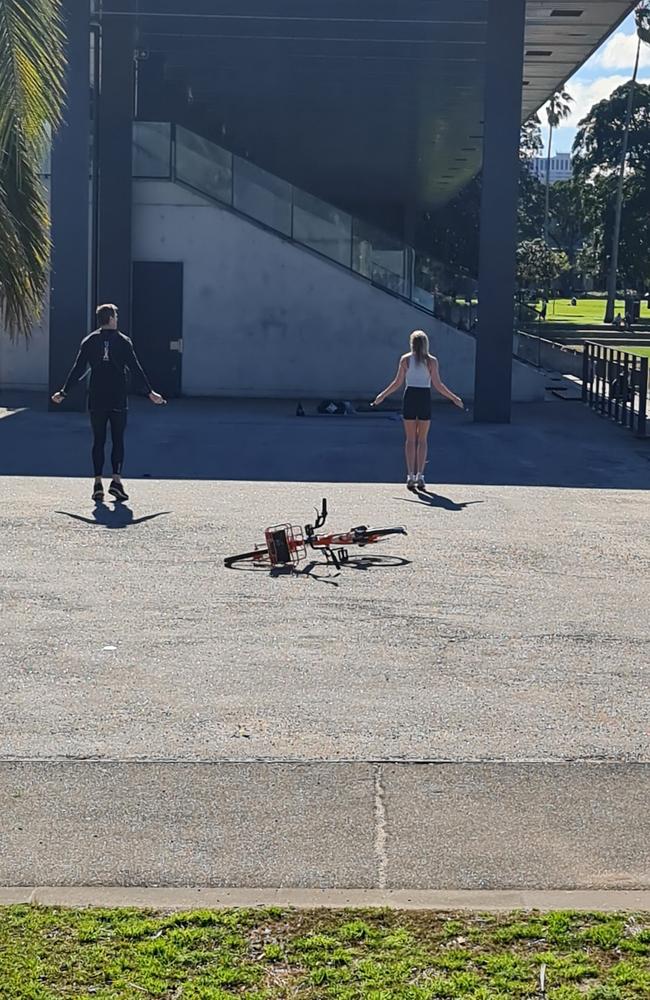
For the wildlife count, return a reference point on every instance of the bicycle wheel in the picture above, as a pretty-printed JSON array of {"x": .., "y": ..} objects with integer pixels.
[{"x": 259, "y": 555}]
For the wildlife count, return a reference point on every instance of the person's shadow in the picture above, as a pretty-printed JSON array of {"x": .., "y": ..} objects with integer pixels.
[
  {"x": 120, "y": 516},
  {"x": 424, "y": 498}
]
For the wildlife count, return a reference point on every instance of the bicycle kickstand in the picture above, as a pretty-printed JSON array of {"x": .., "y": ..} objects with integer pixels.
[
  {"x": 337, "y": 559},
  {"x": 332, "y": 558}
]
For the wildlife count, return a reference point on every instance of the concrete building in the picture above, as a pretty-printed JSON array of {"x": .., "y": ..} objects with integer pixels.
[
  {"x": 251, "y": 186},
  {"x": 561, "y": 168}
]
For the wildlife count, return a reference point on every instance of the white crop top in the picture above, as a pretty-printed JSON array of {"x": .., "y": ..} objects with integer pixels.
[{"x": 417, "y": 375}]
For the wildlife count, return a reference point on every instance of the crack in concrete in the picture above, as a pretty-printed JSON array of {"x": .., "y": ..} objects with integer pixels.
[{"x": 381, "y": 832}]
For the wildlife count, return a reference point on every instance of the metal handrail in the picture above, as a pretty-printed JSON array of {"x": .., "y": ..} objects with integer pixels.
[{"x": 615, "y": 384}]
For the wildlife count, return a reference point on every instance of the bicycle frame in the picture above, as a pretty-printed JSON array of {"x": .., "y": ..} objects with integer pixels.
[
  {"x": 340, "y": 540},
  {"x": 286, "y": 544}
]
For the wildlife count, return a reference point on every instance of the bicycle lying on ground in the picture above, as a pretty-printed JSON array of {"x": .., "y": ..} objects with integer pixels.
[{"x": 286, "y": 544}]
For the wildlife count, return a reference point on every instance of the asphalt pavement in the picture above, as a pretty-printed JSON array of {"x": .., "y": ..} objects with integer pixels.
[{"x": 461, "y": 708}]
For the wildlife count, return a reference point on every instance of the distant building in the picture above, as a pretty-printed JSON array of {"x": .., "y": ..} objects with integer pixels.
[{"x": 561, "y": 168}]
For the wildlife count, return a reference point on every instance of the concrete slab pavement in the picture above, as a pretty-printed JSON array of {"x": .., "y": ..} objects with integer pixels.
[{"x": 325, "y": 825}]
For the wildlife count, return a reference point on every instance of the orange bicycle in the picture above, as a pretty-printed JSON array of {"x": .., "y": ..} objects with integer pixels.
[{"x": 285, "y": 544}]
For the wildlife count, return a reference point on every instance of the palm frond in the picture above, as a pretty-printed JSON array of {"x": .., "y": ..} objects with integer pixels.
[
  {"x": 31, "y": 73},
  {"x": 24, "y": 248},
  {"x": 32, "y": 68}
]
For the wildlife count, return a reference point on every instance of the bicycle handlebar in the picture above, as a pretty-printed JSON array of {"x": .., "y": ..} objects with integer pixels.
[{"x": 321, "y": 517}]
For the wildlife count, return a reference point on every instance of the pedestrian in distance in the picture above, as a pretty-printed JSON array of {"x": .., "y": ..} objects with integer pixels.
[
  {"x": 108, "y": 354},
  {"x": 420, "y": 371}
]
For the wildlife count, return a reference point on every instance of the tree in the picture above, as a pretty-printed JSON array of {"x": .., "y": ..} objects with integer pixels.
[
  {"x": 557, "y": 109},
  {"x": 643, "y": 24},
  {"x": 599, "y": 206},
  {"x": 454, "y": 234},
  {"x": 538, "y": 266},
  {"x": 31, "y": 98},
  {"x": 567, "y": 229},
  {"x": 530, "y": 207},
  {"x": 612, "y": 158},
  {"x": 530, "y": 138}
]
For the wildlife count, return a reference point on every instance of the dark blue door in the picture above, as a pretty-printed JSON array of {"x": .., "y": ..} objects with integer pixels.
[{"x": 157, "y": 322}]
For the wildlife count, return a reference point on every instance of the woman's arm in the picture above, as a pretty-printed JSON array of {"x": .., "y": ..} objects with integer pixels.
[
  {"x": 440, "y": 386},
  {"x": 395, "y": 384}
]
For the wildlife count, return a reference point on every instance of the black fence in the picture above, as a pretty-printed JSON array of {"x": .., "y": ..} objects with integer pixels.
[{"x": 615, "y": 384}]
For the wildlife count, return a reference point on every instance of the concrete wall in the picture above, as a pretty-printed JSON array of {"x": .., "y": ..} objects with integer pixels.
[
  {"x": 263, "y": 317},
  {"x": 25, "y": 364}
]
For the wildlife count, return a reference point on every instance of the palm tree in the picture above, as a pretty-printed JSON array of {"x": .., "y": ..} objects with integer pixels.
[
  {"x": 557, "y": 110},
  {"x": 31, "y": 98},
  {"x": 643, "y": 35}
]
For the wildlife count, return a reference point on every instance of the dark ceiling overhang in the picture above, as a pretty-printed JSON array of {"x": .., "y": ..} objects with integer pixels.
[{"x": 360, "y": 101}]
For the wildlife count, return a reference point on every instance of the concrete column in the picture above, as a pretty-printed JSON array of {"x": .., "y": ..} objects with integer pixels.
[
  {"x": 498, "y": 235},
  {"x": 70, "y": 205},
  {"x": 115, "y": 151}
]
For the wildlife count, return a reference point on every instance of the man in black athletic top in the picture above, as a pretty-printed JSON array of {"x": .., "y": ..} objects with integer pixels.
[{"x": 108, "y": 354}]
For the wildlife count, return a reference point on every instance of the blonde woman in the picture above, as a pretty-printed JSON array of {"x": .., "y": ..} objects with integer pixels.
[{"x": 420, "y": 371}]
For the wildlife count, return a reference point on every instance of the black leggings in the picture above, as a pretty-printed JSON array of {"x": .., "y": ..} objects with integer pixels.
[{"x": 99, "y": 420}]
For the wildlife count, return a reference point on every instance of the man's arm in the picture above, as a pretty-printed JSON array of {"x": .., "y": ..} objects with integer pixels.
[
  {"x": 77, "y": 370},
  {"x": 134, "y": 365}
]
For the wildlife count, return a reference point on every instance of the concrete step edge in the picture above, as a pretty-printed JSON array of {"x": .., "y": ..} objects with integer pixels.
[{"x": 157, "y": 898}]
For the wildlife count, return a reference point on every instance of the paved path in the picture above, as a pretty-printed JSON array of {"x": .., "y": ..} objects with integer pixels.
[
  {"x": 466, "y": 712},
  {"x": 548, "y": 444},
  {"x": 326, "y": 825}
]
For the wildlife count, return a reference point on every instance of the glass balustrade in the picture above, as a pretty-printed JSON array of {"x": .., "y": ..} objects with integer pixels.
[{"x": 170, "y": 152}]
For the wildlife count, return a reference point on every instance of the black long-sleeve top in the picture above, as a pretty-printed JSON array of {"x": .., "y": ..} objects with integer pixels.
[{"x": 108, "y": 354}]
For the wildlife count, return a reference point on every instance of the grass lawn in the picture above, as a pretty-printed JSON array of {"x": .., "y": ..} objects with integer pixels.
[
  {"x": 644, "y": 352},
  {"x": 272, "y": 954},
  {"x": 587, "y": 311}
]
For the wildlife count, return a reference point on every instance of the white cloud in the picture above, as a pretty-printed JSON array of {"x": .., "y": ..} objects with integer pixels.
[
  {"x": 619, "y": 52},
  {"x": 586, "y": 93},
  {"x": 597, "y": 80}
]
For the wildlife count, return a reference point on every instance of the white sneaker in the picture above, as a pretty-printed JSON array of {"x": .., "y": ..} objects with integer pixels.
[
  {"x": 410, "y": 483},
  {"x": 420, "y": 483}
]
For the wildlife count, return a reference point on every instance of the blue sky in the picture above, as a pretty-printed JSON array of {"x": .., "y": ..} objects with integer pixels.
[{"x": 607, "y": 69}]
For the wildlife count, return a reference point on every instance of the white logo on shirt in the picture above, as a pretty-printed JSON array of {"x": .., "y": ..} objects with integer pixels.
[{"x": 106, "y": 354}]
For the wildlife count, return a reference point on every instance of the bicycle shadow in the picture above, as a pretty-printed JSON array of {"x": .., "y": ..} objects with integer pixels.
[
  {"x": 321, "y": 571},
  {"x": 120, "y": 516},
  {"x": 424, "y": 498}
]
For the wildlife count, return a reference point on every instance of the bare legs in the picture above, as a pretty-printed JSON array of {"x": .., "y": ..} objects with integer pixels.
[
  {"x": 410, "y": 446},
  {"x": 416, "y": 447},
  {"x": 422, "y": 442}
]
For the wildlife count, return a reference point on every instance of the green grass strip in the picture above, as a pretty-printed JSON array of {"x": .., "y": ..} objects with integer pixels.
[{"x": 370, "y": 955}]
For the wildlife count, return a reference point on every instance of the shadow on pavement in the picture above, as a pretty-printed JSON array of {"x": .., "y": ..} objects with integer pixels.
[
  {"x": 425, "y": 498},
  {"x": 558, "y": 443},
  {"x": 324, "y": 572},
  {"x": 119, "y": 516}
]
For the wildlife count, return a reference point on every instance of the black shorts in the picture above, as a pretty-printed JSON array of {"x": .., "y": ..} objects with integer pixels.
[{"x": 417, "y": 404}]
